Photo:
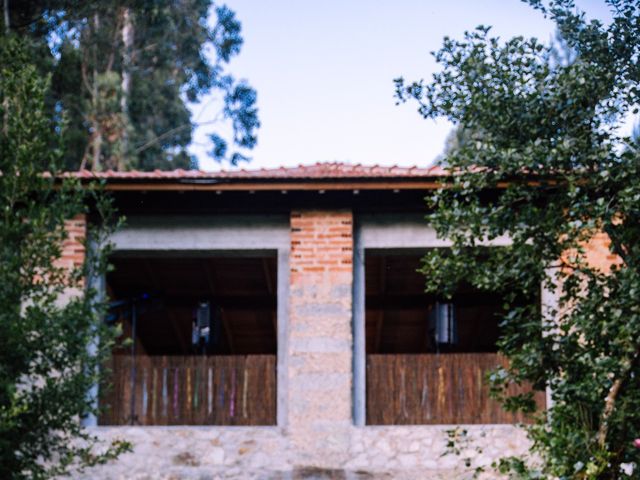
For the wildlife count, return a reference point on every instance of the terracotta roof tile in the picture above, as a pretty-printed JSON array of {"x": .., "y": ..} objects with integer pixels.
[{"x": 332, "y": 170}]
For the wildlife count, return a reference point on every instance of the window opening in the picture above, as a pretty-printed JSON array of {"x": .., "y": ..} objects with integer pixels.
[
  {"x": 198, "y": 343},
  {"x": 428, "y": 356}
]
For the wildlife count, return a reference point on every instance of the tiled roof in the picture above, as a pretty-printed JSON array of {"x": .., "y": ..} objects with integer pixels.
[{"x": 333, "y": 170}]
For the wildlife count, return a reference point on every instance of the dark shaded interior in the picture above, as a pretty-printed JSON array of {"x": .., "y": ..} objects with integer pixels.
[
  {"x": 397, "y": 310},
  {"x": 242, "y": 290}
]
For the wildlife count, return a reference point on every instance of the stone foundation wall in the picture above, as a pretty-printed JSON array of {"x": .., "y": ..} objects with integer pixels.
[{"x": 207, "y": 453}]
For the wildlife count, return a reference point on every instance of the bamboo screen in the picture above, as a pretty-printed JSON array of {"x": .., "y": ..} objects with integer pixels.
[
  {"x": 191, "y": 390},
  {"x": 449, "y": 388}
]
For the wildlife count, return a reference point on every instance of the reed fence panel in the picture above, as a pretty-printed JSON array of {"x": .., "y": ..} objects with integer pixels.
[
  {"x": 190, "y": 390},
  {"x": 427, "y": 389}
]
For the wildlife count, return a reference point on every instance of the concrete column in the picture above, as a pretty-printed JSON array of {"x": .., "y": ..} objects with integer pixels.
[
  {"x": 359, "y": 333},
  {"x": 320, "y": 339},
  {"x": 283, "y": 336}
]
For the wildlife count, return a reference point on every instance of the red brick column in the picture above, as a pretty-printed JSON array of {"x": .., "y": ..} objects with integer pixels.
[
  {"x": 321, "y": 246},
  {"x": 320, "y": 340},
  {"x": 73, "y": 250},
  {"x": 598, "y": 254}
]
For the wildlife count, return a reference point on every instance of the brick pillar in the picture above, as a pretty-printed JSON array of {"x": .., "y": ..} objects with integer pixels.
[
  {"x": 72, "y": 255},
  {"x": 598, "y": 255},
  {"x": 320, "y": 341},
  {"x": 73, "y": 249}
]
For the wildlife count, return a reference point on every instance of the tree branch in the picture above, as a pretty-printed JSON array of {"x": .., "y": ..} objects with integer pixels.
[
  {"x": 156, "y": 139},
  {"x": 172, "y": 131},
  {"x": 612, "y": 396},
  {"x": 114, "y": 42}
]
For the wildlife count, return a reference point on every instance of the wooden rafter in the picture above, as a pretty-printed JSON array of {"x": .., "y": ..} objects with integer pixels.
[
  {"x": 223, "y": 317},
  {"x": 227, "y": 330},
  {"x": 173, "y": 321},
  {"x": 267, "y": 275},
  {"x": 274, "y": 322},
  {"x": 269, "y": 284},
  {"x": 209, "y": 275},
  {"x": 380, "y": 313}
]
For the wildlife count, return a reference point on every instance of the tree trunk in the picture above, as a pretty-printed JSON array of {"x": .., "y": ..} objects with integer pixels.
[
  {"x": 96, "y": 137},
  {"x": 96, "y": 147},
  {"x": 5, "y": 101},
  {"x": 6, "y": 16},
  {"x": 612, "y": 396},
  {"x": 127, "y": 42}
]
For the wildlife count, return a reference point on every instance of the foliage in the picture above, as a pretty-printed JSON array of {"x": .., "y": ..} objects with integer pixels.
[
  {"x": 460, "y": 444},
  {"x": 124, "y": 73},
  {"x": 49, "y": 320},
  {"x": 552, "y": 171},
  {"x": 457, "y": 137},
  {"x": 558, "y": 54}
]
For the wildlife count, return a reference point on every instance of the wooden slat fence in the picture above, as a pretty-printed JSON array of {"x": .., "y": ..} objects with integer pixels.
[
  {"x": 191, "y": 390},
  {"x": 436, "y": 389}
]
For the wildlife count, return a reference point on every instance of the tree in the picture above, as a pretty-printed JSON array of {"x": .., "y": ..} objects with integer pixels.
[
  {"x": 49, "y": 319},
  {"x": 553, "y": 172},
  {"x": 559, "y": 54},
  {"x": 458, "y": 136},
  {"x": 125, "y": 72}
]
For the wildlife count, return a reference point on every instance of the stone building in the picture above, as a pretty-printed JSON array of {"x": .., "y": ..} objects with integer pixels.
[{"x": 281, "y": 330}]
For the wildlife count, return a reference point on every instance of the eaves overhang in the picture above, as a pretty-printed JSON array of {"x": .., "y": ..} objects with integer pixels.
[{"x": 321, "y": 176}]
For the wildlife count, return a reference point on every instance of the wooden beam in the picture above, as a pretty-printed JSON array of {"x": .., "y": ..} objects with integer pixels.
[
  {"x": 412, "y": 301},
  {"x": 274, "y": 322},
  {"x": 383, "y": 274},
  {"x": 379, "y": 325},
  {"x": 428, "y": 340},
  {"x": 279, "y": 186},
  {"x": 269, "y": 283},
  {"x": 150, "y": 276},
  {"x": 173, "y": 321},
  {"x": 223, "y": 317},
  {"x": 227, "y": 330},
  {"x": 380, "y": 313},
  {"x": 267, "y": 275},
  {"x": 209, "y": 275},
  {"x": 256, "y": 302}
]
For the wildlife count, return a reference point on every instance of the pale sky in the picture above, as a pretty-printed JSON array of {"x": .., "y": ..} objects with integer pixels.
[{"x": 324, "y": 74}]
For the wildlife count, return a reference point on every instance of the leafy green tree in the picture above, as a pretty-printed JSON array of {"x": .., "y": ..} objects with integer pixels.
[
  {"x": 124, "y": 73},
  {"x": 559, "y": 54},
  {"x": 551, "y": 171},
  {"x": 49, "y": 319},
  {"x": 458, "y": 136}
]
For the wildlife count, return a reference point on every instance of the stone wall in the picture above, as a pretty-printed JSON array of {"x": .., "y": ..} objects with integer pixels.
[
  {"x": 207, "y": 453},
  {"x": 317, "y": 437}
]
